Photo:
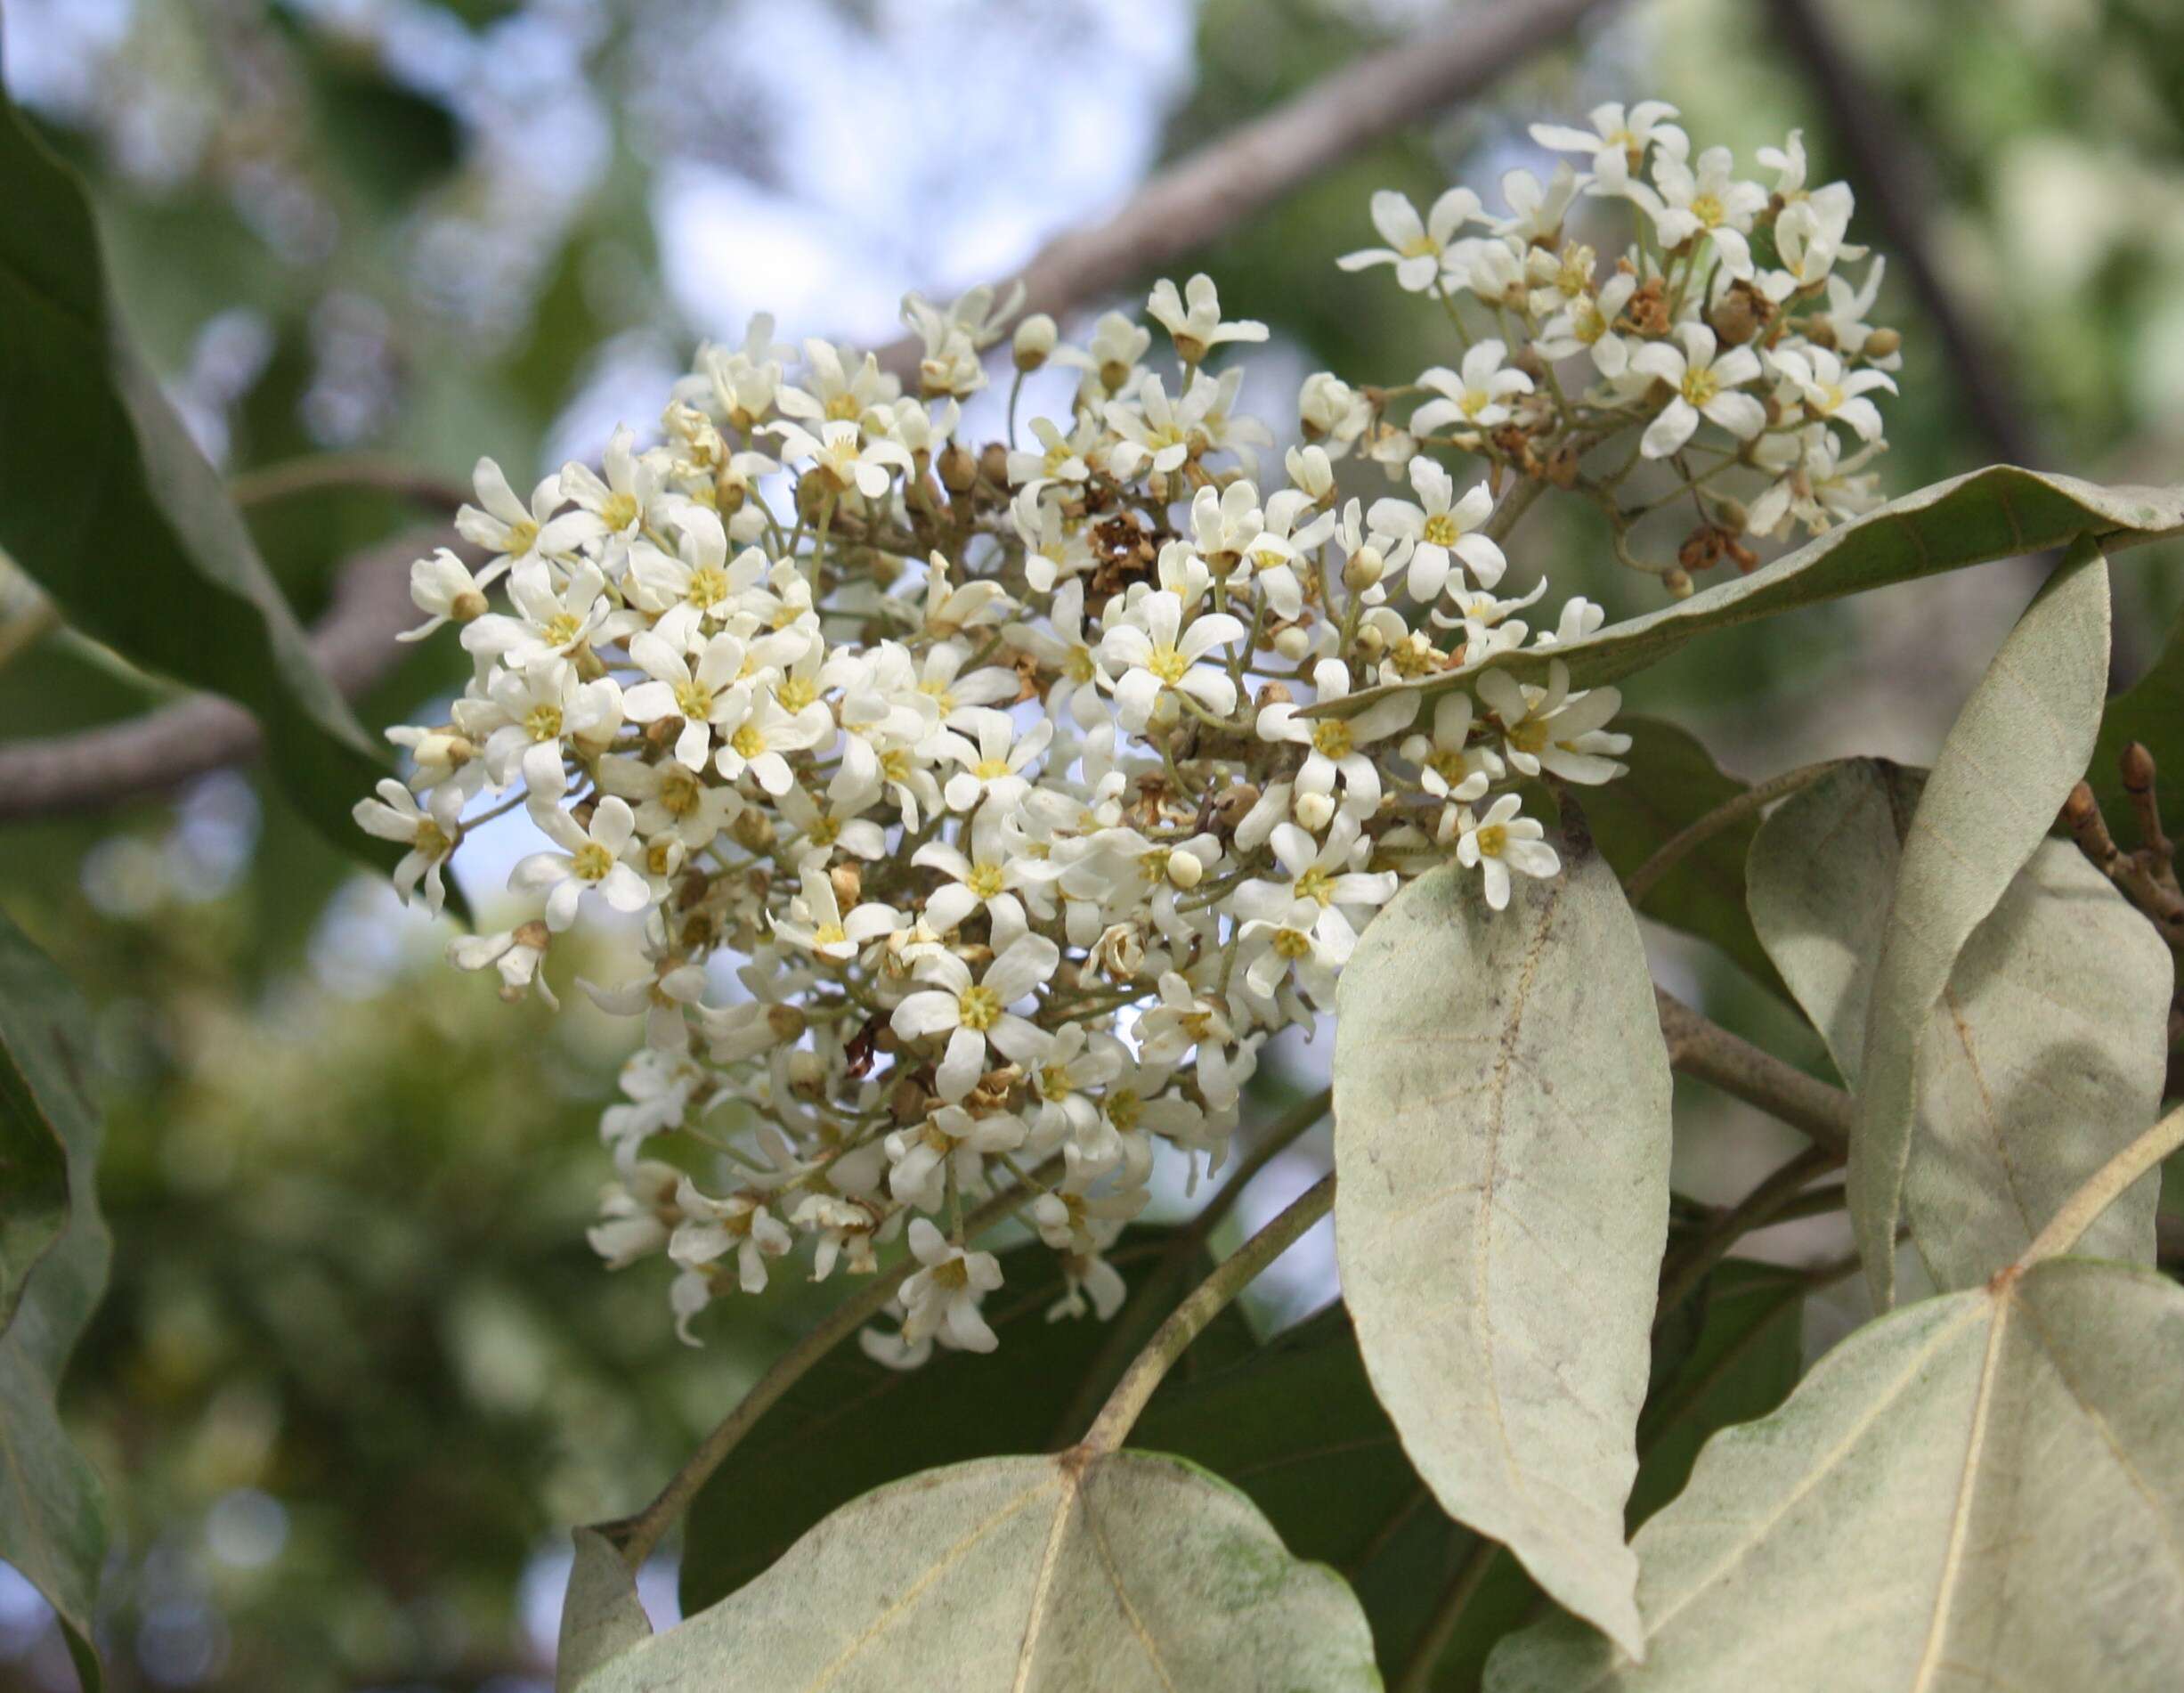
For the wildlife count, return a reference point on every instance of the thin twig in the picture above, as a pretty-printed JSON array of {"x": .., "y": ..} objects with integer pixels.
[
  {"x": 1201, "y": 198},
  {"x": 1177, "y": 1257},
  {"x": 1762, "y": 1206},
  {"x": 1701, "y": 1048},
  {"x": 636, "y": 1536},
  {"x": 1208, "y": 1300},
  {"x": 320, "y": 472},
  {"x": 2103, "y": 1188},
  {"x": 1677, "y": 846}
]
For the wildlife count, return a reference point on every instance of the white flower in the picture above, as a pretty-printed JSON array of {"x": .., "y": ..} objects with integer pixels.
[
  {"x": 1708, "y": 201},
  {"x": 1704, "y": 386},
  {"x": 1831, "y": 394},
  {"x": 429, "y": 831},
  {"x": 739, "y": 1224},
  {"x": 1475, "y": 399},
  {"x": 697, "y": 692},
  {"x": 817, "y": 922},
  {"x": 515, "y": 954},
  {"x": 1501, "y": 842},
  {"x": 1196, "y": 327},
  {"x": 1157, "y": 654},
  {"x": 1550, "y": 728},
  {"x": 1588, "y": 322},
  {"x": 1338, "y": 743},
  {"x": 598, "y": 857},
  {"x": 1617, "y": 141},
  {"x": 942, "y": 1298},
  {"x": 843, "y": 457},
  {"x": 1443, "y": 528},
  {"x": 1537, "y": 213},
  {"x": 1415, "y": 247},
  {"x": 623, "y": 502},
  {"x": 971, "y": 1014},
  {"x": 505, "y": 527},
  {"x": 442, "y": 588},
  {"x": 993, "y": 767},
  {"x": 757, "y": 733}
]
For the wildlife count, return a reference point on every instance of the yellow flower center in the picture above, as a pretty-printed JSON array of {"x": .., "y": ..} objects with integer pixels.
[
  {"x": 694, "y": 700},
  {"x": 521, "y": 535},
  {"x": 1293, "y": 943},
  {"x": 830, "y": 934},
  {"x": 1440, "y": 530},
  {"x": 979, "y": 1008},
  {"x": 1530, "y": 736},
  {"x": 593, "y": 862},
  {"x": 1699, "y": 386},
  {"x": 990, "y": 769},
  {"x": 825, "y": 831},
  {"x": 709, "y": 586},
  {"x": 562, "y": 628},
  {"x": 748, "y": 741},
  {"x": 1708, "y": 209},
  {"x": 432, "y": 840},
  {"x": 543, "y": 722},
  {"x": 984, "y": 880},
  {"x": 1078, "y": 666},
  {"x": 1124, "y": 1108},
  {"x": 796, "y": 693},
  {"x": 678, "y": 790},
  {"x": 617, "y": 512},
  {"x": 894, "y": 764},
  {"x": 1054, "y": 1082},
  {"x": 1420, "y": 245},
  {"x": 1450, "y": 767},
  {"x": 1332, "y": 737},
  {"x": 1316, "y": 884},
  {"x": 1266, "y": 558},
  {"x": 1492, "y": 839},
  {"x": 1168, "y": 664},
  {"x": 953, "y": 1273},
  {"x": 842, "y": 408}
]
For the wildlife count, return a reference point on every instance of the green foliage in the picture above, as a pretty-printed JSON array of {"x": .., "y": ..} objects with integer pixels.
[
  {"x": 53, "y": 1528},
  {"x": 1987, "y": 1486},
  {"x": 852, "y": 1424},
  {"x": 1502, "y": 1101},
  {"x": 2015, "y": 751},
  {"x": 1120, "y": 1570},
  {"x": 2023, "y": 1092},
  {"x": 120, "y": 519}
]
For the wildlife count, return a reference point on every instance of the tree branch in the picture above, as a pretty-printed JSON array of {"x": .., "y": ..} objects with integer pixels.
[
  {"x": 1701, "y": 1048},
  {"x": 1202, "y": 197},
  {"x": 92, "y": 769},
  {"x": 1893, "y": 175}
]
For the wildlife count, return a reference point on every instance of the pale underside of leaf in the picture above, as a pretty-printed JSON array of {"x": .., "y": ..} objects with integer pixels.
[
  {"x": 1501, "y": 1097},
  {"x": 1123, "y": 1572},
  {"x": 2020, "y": 742},
  {"x": 1999, "y": 512},
  {"x": 2044, "y": 1055},
  {"x": 1985, "y": 1490}
]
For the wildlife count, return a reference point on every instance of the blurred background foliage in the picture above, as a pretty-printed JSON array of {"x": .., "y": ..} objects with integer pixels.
[{"x": 357, "y": 1366}]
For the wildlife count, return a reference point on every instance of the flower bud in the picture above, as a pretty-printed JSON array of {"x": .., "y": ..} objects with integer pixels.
[
  {"x": 1184, "y": 870},
  {"x": 467, "y": 607},
  {"x": 1292, "y": 643},
  {"x": 1881, "y": 344},
  {"x": 1677, "y": 583},
  {"x": 1366, "y": 567},
  {"x": 1035, "y": 340},
  {"x": 1314, "y": 811},
  {"x": 849, "y": 884},
  {"x": 959, "y": 468}
]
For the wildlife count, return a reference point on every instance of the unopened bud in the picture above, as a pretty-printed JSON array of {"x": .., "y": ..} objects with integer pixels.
[
  {"x": 1292, "y": 643},
  {"x": 1677, "y": 583},
  {"x": 1731, "y": 514},
  {"x": 1034, "y": 340},
  {"x": 1184, "y": 870},
  {"x": 786, "y": 1022},
  {"x": 1365, "y": 567},
  {"x": 994, "y": 464},
  {"x": 959, "y": 468},
  {"x": 1274, "y": 694},
  {"x": 849, "y": 885},
  {"x": 1880, "y": 344},
  {"x": 467, "y": 607},
  {"x": 1314, "y": 810},
  {"x": 753, "y": 831},
  {"x": 533, "y": 934}
]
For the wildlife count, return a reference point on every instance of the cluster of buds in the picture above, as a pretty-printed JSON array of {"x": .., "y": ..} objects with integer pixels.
[{"x": 969, "y": 796}]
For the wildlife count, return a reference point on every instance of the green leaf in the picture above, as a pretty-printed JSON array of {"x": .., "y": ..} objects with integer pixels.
[
  {"x": 43, "y": 1112},
  {"x": 1296, "y": 1426},
  {"x": 1501, "y": 1104},
  {"x": 1985, "y": 1489},
  {"x": 52, "y": 1514},
  {"x": 2016, "y": 750},
  {"x": 2043, "y": 1055},
  {"x": 2151, "y": 712},
  {"x": 601, "y": 1616},
  {"x": 107, "y": 504},
  {"x": 2001, "y": 512},
  {"x": 850, "y": 1424},
  {"x": 1123, "y": 1572},
  {"x": 1673, "y": 783}
]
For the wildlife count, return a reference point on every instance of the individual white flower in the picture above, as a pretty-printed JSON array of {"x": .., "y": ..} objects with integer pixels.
[
  {"x": 1111, "y": 362},
  {"x": 1476, "y": 398},
  {"x": 941, "y": 1299},
  {"x": 835, "y": 388},
  {"x": 1831, "y": 394},
  {"x": 514, "y": 532},
  {"x": 1708, "y": 201},
  {"x": 972, "y": 1014},
  {"x": 1616, "y": 142},
  {"x": 1154, "y": 431},
  {"x": 637, "y": 1212},
  {"x": 1185, "y": 1020},
  {"x": 843, "y": 457},
  {"x": 1277, "y": 558},
  {"x": 815, "y": 921},
  {"x": 1328, "y": 408},
  {"x": 1338, "y": 743},
  {"x": 993, "y": 767},
  {"x": 951, "y": 1138},
  {"x": 740, "y": 1223},
  {"x": 429, "y": 831},
  {"x": 515, "y": 953},
  {"x": 1415, "y": 246},
  {"x": 1443, "y": 528},
  {"x": 598, "y": 857},
  {"x": 757, "y": 733},
  {"x": 987, "y": 878},
  {"x": 1193, "y": 318},
  {"x": 1705, "y": 386},
  {"x": 1060, "y": 457},
  {"x": 442, "y": 588},
  {"x": 1588, "y": 323},
  {"x": 1450, "y": 767},
  {"x": 624, "y": 501},
  {"x": 1819, "y": 483},
  {"x": 1501, "y": 842},
  {"x": 695, "y": 688},
  {"x": 1319, "y": 874},
  {"x": 1550, "y": 728},
  {"x": 1156, "y": 654},
  {"x": 1536, "y": 213}
]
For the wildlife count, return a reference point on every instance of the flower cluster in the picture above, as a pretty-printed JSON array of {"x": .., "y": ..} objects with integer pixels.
[{"x": 969, "y": 797}]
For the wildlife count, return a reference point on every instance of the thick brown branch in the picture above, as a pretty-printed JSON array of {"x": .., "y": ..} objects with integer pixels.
[
  {"x": 1200, "y": 198},
  {"x": 355, "y": 644},
  {"x": 1703, "y": 1049}
]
